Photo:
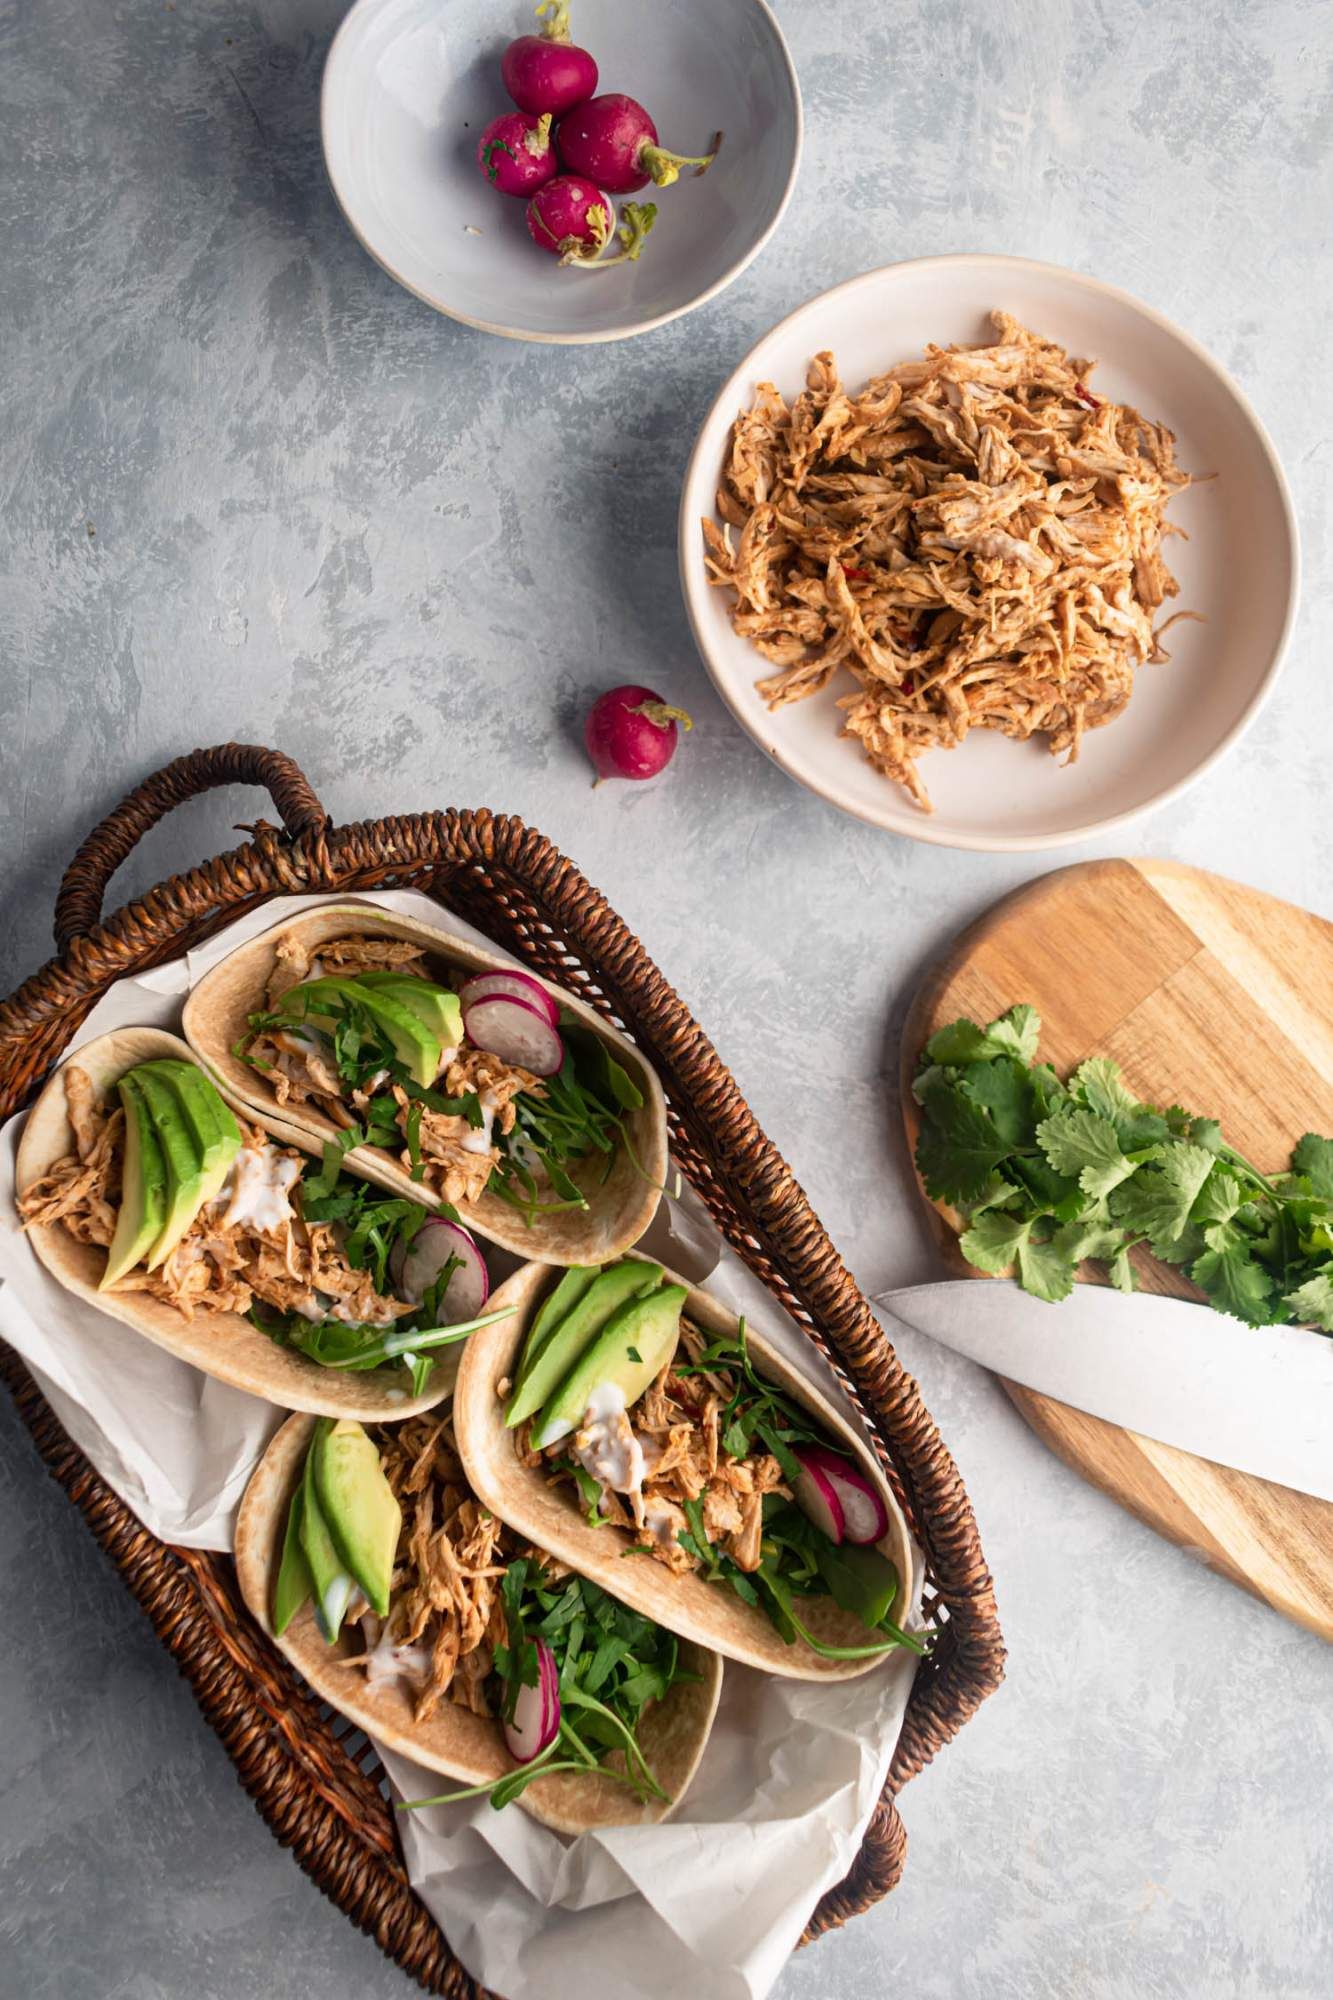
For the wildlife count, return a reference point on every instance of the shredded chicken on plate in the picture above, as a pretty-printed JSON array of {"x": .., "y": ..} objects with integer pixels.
[
  {"x": 445, "y": 1612},
  {"x": 250, "y": 1243},
  {"x": 675, "y": 1426},
  {"x": 975, "y": 537},
  {"x": 458, "y": 1159}
]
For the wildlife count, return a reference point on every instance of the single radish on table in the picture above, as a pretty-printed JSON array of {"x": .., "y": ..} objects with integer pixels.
[
  {"x": 516, "y": 153},
  {"x": 546, "y": 72},
  {"x": 631, "y": 733},
  {"x": 613, "y": 141}
]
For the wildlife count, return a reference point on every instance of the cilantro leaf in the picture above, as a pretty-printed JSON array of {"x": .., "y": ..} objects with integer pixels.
[
  {"x": 1218, "y": 1199},
  {"x": 959, "y": 1145},
  {"x": 1234, "y": 1283},
  {"x": 994, "y": 1239},
  {"x": 1120, "y": 1270},
  {"x": 1313, "y": 1301},
  {"x": 1046, "y": 1271},
  {"x": 1084, "y": 1145},
  {"x": 1099, "y": 1084},
  {"x": 959, "y": 1043},
  {"x": 1313, "y": 1157},
  {"x": 1158, "y": 1201},
  {"x": 1005, "y": 1090},
  {"x": 1016, "y": 1033}
]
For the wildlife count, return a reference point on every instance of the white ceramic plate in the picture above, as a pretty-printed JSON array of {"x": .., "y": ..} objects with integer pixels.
[
  {"x": 410, "y": 85},
  {"x": 1240, "y": 567}
]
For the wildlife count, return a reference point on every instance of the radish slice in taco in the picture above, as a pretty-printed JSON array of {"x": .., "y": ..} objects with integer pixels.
[
  {"x": 411, "y": 1608},
  {"x": 458, "y": 1080},
  {"x": 144, "y": 1194},
  {"x": 637, "y": 1430}
]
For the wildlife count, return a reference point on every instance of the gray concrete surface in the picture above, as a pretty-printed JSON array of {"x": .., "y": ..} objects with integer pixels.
[{"x": 254, "y": 490}]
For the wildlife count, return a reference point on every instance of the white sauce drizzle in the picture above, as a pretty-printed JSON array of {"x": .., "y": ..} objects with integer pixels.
[
  {"x": 477, "y": 1139},
  {"x": 255, "y": 1192},
  {"x": 387, "y": 1662},
  {"x": 608, "y": 1450}
]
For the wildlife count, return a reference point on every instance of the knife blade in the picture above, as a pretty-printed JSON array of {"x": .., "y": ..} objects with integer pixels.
[{"x": 1256, "y": 1398}]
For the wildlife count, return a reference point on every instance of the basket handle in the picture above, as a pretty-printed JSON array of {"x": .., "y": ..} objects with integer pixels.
[{"x": 84, "y": 883}]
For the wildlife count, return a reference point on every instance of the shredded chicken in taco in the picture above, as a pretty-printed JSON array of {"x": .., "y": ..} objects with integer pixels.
[
  {"x": 250, "y": 1243},
  {"x": 975, "y": 537}
]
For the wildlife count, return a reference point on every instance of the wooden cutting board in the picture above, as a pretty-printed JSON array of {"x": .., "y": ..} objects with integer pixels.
[{"x": 1208, "y": 995}]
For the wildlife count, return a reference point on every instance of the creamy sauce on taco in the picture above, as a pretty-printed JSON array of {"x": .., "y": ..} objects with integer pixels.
[
  {"x": 256, "y": 1192},
  {"x": 607, "y": 1449}
]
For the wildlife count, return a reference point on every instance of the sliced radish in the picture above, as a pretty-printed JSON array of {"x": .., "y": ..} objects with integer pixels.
[
  {"x": 537, "y": 1711},
  {"x": 511, "y": 986},
  {"x": 861, "y": 1512},
  {"x": 415, "y": 1266},
  {"x": 815, "y": 1493},
  {"x": 515, "y": 1031}
]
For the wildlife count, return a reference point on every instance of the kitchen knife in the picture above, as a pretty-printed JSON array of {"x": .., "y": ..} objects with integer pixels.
[{"x": 1257, "y": 1398}]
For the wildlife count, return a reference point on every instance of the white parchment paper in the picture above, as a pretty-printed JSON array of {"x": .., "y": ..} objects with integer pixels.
[{"x": 711, "y": 1902}]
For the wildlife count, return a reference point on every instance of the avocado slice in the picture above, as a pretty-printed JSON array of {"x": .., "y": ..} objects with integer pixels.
[
  {"x": 577, "y": 1330},
  {"x": 413, "y": 1044},
  {"x": 143, "y": 1189},
  {"x": 185, "y": 1166},
  {"x": 333, "y": 1585},
  {"x": 435, "y": 1007},
  {"x": 360, "y": 1511},
  {"x": 630, "y": 1352},
  {"x": 554, "y": 1306},
  {"x": 295, "y": 1583},
  {"x": 215, "y": 1131}
]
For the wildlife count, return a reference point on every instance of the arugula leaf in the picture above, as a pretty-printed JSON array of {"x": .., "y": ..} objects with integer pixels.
[{"x": 1086, "y": 1146}]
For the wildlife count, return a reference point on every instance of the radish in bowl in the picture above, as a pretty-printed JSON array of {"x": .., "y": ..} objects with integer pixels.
[
  {"x": 516, "y": 155},
  {"x": 613, "y": 141},
  {"x": 548, "y": 72}
]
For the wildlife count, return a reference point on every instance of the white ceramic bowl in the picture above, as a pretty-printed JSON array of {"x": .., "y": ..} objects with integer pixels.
[
  {"x": 1240, "y": 567},
  {"x": 410, "y": 85}
]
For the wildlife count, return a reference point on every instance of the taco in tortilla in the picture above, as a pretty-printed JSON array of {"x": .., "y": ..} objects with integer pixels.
[
  {"x": 450, "y": 1075},
  {"x": 418, "y": 1614},
  {"x": 636, "y": 1429},
  {"x": 143, "y": 1194}
]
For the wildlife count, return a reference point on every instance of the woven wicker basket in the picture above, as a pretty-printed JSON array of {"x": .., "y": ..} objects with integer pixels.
[{"x": 311, "y": 1776}]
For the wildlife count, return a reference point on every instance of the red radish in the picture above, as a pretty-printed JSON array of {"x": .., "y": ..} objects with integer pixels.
[
  {"x": 515, "y": 153},
  {"x": 516, "y": 986},
  {"x": 515, "y": 1032},
  {"x": 415, "y": 1266},
  {"x": 570, "y": 218},
  {"x": 613, "y": 141},
  {"x": 631, "y": 733},
  {"x": 536, "y": 1719},
  {"x": 546, "y": 72},
  {"x": 815, "y": 1496},
  {"x": 860, "y": 1504}
]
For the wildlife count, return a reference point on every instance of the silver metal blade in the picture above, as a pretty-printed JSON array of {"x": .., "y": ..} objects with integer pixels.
[{"x": 1257, "y": 1398}]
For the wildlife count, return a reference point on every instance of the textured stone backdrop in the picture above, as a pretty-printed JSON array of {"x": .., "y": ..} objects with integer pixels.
[{"x": 252, "y": 489}]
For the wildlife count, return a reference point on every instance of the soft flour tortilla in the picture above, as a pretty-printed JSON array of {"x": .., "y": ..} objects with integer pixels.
[
  {"x": 688, "y": 1604},
  {"x": 465, "y": 1747},
  {"x": 217, "y": 1017},
  {"x": 222, "y": 1344}
]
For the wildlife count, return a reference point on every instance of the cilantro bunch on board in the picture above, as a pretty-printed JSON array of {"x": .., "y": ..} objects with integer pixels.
[{"x": 1045, "y": 1174}]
